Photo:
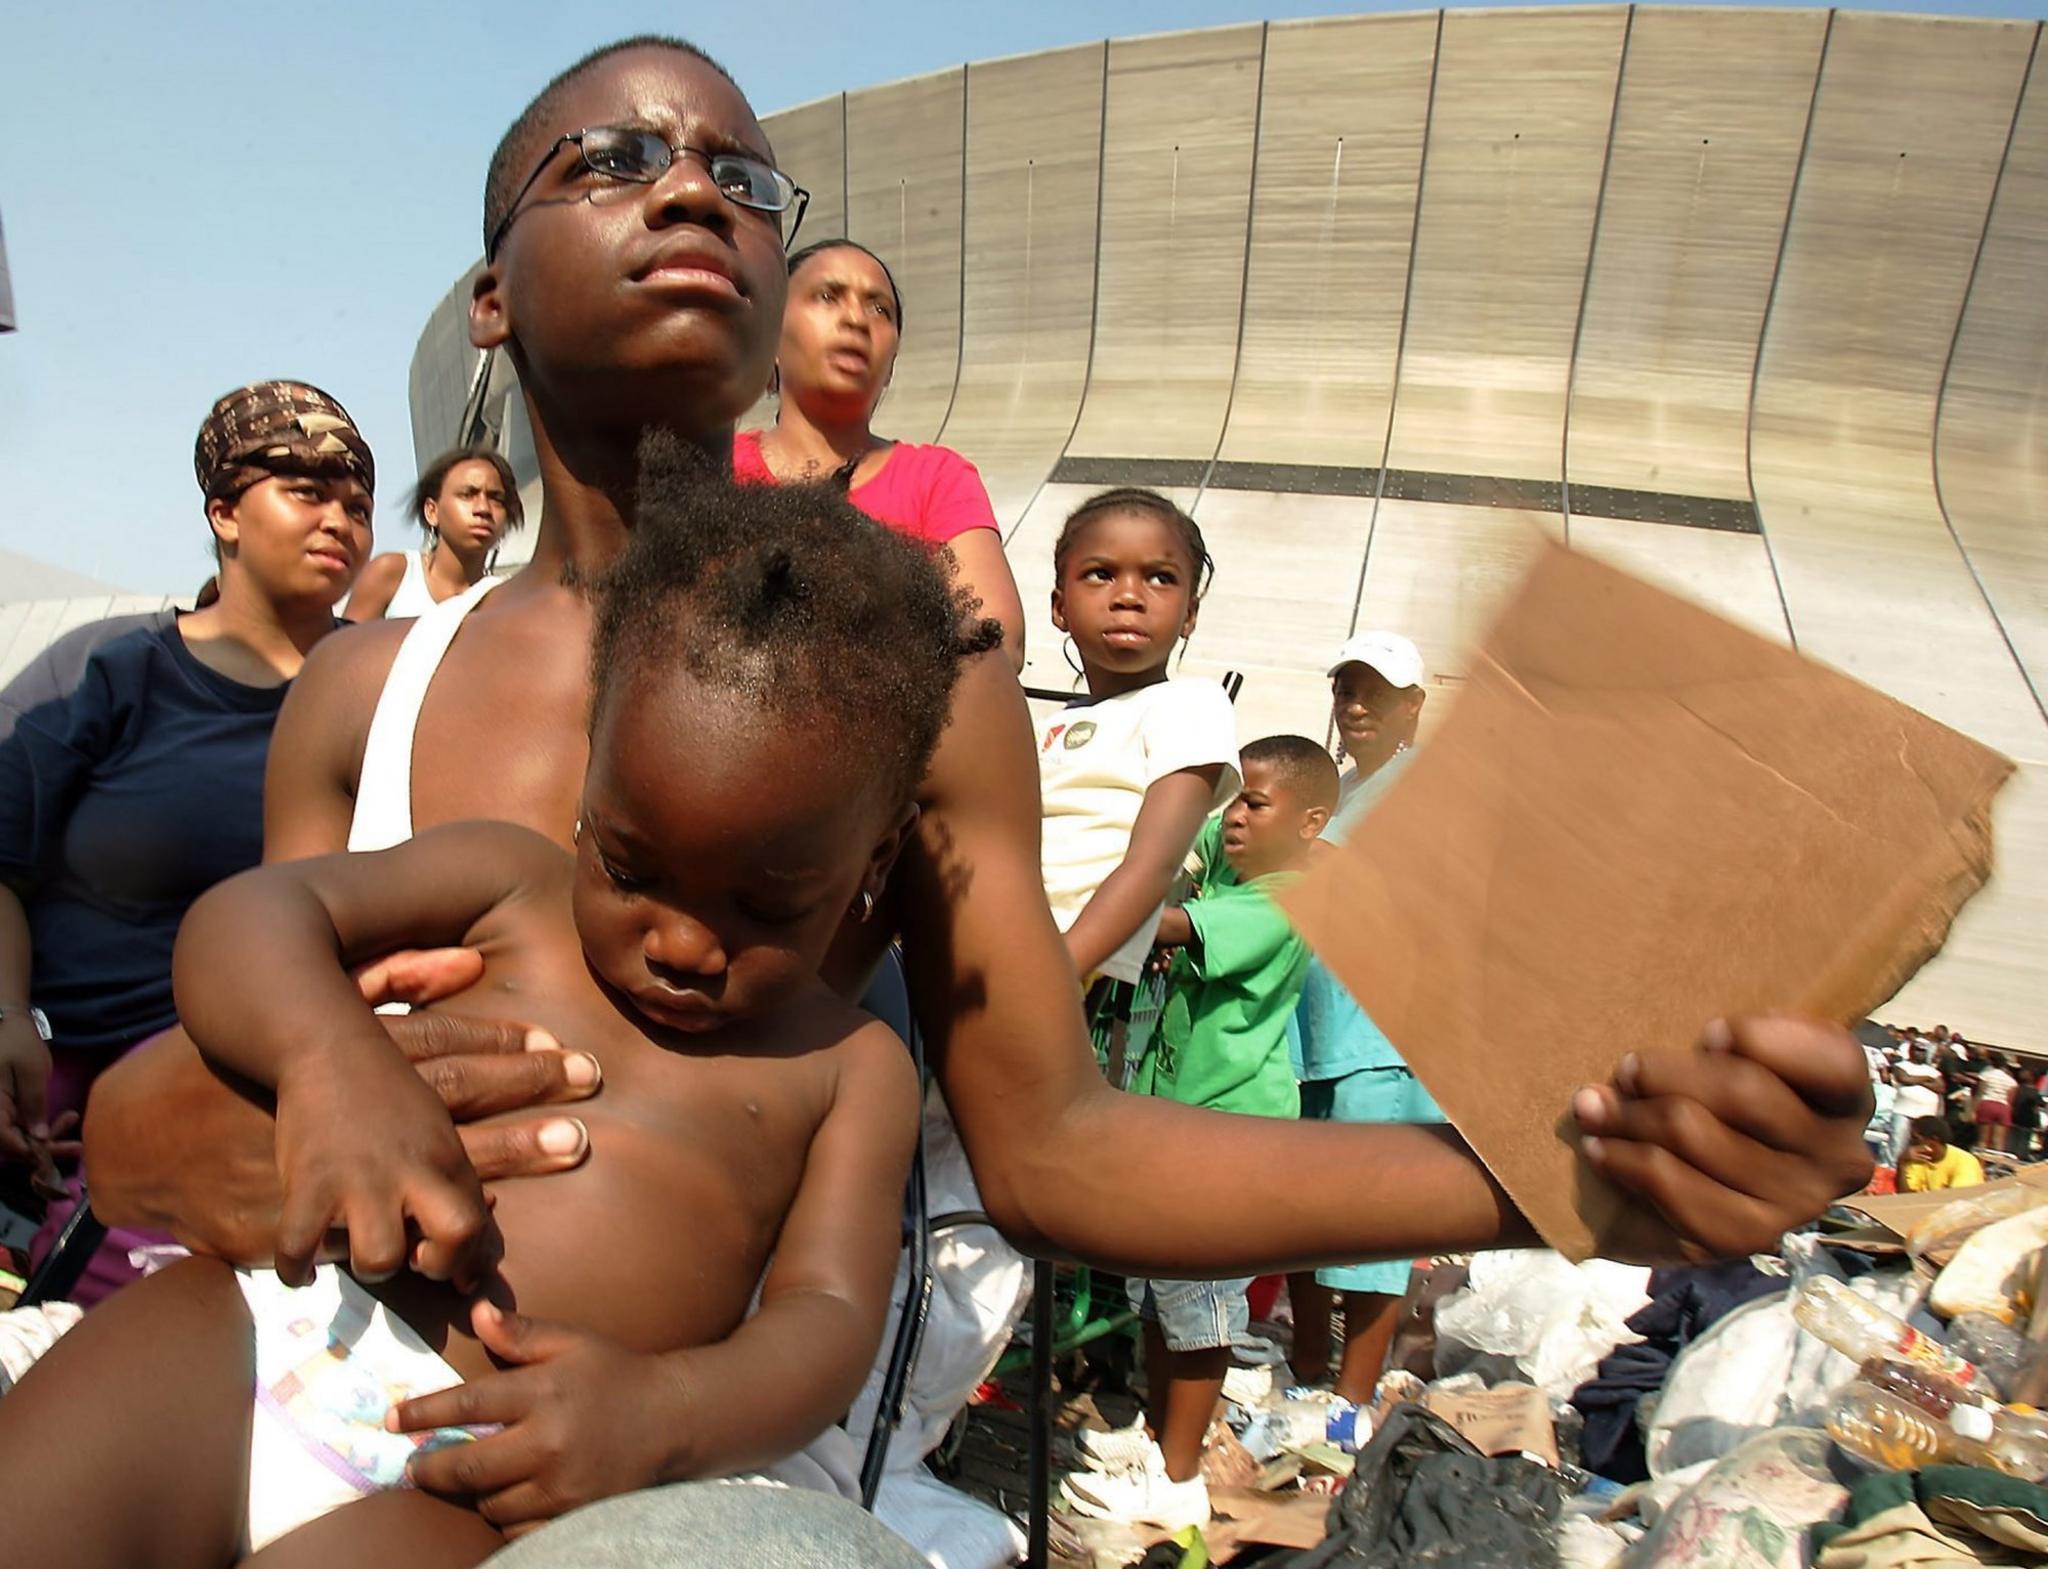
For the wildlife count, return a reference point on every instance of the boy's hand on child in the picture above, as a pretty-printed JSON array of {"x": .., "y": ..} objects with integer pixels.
[
  {"x": 1756, "y": 1130},
  {"x": 480, "y": 1067},
  {"x": 581, "y": 1418},
  {"x": 364, "y": 1146}
]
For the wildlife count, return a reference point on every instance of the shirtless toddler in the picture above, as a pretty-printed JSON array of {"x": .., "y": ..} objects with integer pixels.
[{"x": 770, "y": 676}]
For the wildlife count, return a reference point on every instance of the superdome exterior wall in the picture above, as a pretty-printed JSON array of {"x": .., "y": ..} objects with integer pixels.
[{"x": 1747, "y": 300}]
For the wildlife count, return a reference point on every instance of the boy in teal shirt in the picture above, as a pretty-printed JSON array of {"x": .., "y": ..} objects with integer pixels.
[
  {"x": 1350, "y": 1071},
  {"x": 1222, "y": 1043}
]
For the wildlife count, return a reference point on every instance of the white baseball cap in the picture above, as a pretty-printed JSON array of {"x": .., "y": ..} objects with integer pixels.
[{"x": 1391, "y": 654}]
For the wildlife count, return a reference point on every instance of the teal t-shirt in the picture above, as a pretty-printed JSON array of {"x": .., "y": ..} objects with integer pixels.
[
  {"x": 1223, "y": 1037},
  {"x": 1333, "y": 1035}
]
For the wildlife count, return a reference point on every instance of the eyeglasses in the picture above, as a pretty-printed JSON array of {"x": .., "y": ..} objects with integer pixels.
[{"x": 640, "y": 157}]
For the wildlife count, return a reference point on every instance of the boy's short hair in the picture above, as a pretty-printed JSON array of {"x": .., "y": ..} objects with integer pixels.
[
  {"x": 1931, "y": 1129},
  {"x": 512, "y": 160},
  {"x": 1309, "y": 772},
  {"x": 791, "y": 598}
]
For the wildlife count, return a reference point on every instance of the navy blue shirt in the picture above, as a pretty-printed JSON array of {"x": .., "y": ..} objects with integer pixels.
[{"x": 131, "y": 781}]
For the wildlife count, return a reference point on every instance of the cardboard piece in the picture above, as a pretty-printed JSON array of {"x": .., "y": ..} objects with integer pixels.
[
  {"x": 1247, "y": 1519},
  {"x": 1508, "y": 1419},
  {"x": 1637, "y": 818}
]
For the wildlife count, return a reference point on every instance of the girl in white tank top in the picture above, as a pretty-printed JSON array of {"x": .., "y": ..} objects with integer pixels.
[{"x": 466, "y": 502}]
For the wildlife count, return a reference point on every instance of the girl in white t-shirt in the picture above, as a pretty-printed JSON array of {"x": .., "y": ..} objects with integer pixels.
[{"x": 1128, "y": 773}]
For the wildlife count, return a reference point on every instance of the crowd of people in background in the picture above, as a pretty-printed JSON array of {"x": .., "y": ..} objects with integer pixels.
[{"x": 1943, "y": 1103}]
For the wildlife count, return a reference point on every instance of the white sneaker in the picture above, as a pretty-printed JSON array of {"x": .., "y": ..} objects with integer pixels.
[
  {"x": 1143, "y": 1497},
  {"x": 1119, "y": 1448}
]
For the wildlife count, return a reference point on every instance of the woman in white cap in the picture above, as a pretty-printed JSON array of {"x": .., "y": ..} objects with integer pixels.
[{"x": 1349, "y": 1071}]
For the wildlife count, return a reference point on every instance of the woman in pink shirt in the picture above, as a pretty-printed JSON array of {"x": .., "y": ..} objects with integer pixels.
[{"x": 838, "y": 348}]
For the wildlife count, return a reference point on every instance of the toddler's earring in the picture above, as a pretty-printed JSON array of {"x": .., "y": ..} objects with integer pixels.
[
  {"x": 576, "y": 833},
  {"x": 866, "y": 907}
]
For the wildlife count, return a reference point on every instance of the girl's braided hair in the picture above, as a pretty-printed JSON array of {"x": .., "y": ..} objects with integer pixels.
[{"x": 1131, "y": 498}]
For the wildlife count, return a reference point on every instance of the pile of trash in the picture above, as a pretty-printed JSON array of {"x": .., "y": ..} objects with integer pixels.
[{"x": 1863, "y": 1398}]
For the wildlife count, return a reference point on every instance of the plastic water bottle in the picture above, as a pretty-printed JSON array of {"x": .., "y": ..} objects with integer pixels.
[
  {"x": 2003, "y": 1354},
  {"x": 1886, "y": 1431},
  {"x": 2006, "y": 1438},
  {"x": 1935, "y": 1393},
  {"x": 1861, "y": 1331},
  {"x": 1349, "y": 1427},
  {"x": 1890, "y": 1431},
  {"x": 1298, "y": 1419}
]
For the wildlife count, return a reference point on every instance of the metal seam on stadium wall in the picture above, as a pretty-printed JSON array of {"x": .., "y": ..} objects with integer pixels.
[
  {"x": 1763, "y": 327},
  {"x": 1717, "y": 513},
  {"x": 1571, "y": 375},
  {"x": 1094, "y": 299}
]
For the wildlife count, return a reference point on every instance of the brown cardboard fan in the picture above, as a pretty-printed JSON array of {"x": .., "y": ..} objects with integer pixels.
[{"x": 1637, "y": 818}]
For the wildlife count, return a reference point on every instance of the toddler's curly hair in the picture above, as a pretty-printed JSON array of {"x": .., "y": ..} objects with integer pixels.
[{"x": 789, "y": 597}]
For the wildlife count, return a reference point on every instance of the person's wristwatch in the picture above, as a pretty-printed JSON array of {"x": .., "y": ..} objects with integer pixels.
[{"x": 36, "y": 1017}]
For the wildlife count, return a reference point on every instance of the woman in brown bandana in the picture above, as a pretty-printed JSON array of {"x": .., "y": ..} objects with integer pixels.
[{"x": 131, "y": 763}]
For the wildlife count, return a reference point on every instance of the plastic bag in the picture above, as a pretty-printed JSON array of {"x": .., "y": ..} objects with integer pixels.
[
  {"x": 1757, "y": 1369},
  {"x": 1934, "y": 1241},
  {"x": 1993, "y": 1272},
  {"x": 1533, "y": 1314}
]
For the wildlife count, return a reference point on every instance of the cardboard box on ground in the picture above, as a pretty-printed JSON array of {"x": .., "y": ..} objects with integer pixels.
[{"x": 1638, "y": 818}]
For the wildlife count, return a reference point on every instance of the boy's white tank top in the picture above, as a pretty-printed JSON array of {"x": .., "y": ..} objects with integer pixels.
[{"x": 383, "y": 814}]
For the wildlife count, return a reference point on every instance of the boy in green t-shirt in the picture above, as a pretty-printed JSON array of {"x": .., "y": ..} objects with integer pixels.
[{"x": 1222, "y": 1043}]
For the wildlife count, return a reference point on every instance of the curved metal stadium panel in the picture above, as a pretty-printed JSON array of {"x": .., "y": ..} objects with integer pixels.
[{"x": 1749, "y": 301}]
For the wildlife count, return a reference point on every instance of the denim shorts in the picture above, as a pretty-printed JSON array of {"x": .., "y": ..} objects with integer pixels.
[{"x": 1193, "y": 1315}]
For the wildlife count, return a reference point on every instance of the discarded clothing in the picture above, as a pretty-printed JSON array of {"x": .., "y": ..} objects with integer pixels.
[
  {"x": 1422, "y": 1496},
  {"x": 1751, "y": 1511},
  {"x": 1942, "y": 1515},
  {"x": 1684, "y": 1304}
]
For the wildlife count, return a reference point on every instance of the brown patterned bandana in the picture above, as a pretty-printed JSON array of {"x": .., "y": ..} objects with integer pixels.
[{"x": 278, "y": 427}]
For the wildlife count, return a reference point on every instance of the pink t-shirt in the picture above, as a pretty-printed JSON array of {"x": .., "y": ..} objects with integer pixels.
[{"x": 929, "y": 494}]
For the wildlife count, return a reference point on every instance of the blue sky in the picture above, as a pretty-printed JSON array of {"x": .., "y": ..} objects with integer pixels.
[{"x": 198, "y": 194}]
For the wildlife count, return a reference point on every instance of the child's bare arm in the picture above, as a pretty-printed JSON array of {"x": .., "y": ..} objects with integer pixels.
[
  {"x": 362, "y": 1143},
  {"x": 1168, "y": 821},
  {"x": 1176, "y": 930},
  {"x": 297, "y": 925},
  {"x": 792, "y": 1369}
]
